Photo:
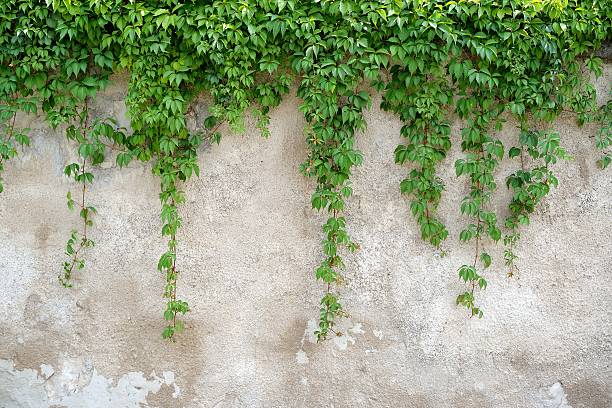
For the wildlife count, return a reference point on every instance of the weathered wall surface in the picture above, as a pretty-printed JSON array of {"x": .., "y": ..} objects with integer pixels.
[{"x": 248, "y": 248}]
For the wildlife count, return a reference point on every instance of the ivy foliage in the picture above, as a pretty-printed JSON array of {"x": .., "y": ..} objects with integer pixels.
[{"x": 483, "y": 61}]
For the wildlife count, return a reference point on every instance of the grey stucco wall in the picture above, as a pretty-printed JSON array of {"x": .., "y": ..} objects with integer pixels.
[{"x": 248, "y": 248}]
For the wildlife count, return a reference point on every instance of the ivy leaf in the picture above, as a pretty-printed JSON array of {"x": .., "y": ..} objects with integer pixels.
[
  {"x": 513, "y": 152},
  {"x": 486, "y": 259}
]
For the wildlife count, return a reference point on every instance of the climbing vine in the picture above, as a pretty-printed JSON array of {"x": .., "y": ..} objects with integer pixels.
[{"x": 484, "y": 61}]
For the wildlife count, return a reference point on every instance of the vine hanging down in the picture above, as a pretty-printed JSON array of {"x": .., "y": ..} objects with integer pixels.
[
  {"x": 483, "y": 155},
  {"x": 485, "y": 61}
]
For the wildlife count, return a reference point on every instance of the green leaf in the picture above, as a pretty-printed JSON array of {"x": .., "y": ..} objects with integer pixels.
[
  {"x": 486, "y": 259},
  {"x": 513, "y": 152}
]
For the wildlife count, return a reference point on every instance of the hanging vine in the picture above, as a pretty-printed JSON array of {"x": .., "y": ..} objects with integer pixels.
[
  {"x": 483, "y": 153},
  {"x": 420, "y": 93},
  {"x": 12, "y": 137},
  {"x": 529, "y": 186},
  {"x": 485, "y": 60}
]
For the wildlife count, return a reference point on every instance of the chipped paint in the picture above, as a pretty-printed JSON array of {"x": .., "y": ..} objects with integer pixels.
[
  {"x": 342, "y": 341},
  {"x": 301, "y": 357},
  {"x": 77, "y": 386},
  {"x": 553, "y": 397}
]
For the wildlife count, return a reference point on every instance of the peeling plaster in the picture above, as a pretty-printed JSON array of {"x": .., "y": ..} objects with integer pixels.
[
  {"x": 301, "y": 357},
  {"x": 553, "y": 397},
  {"x": 341, "y": 341},
  {"x": 77, "y": 386},
  {"x": 378, "y": 334}
]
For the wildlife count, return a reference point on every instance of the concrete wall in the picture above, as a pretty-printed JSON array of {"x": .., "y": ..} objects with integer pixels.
[{"x": 248, "y": 249}]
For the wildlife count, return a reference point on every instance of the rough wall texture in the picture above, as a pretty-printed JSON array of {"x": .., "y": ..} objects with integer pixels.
[{"x": 248, "y": 248}]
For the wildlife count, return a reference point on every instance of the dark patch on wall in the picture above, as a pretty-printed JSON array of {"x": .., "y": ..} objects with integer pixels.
[
  {"x": 42, "y": 234},
  {"x": 472, "y": 399},
  {"x": 162, "y": 398},
  {"x": 589, "y": 394},
  {"x": 605, "y": 52}
]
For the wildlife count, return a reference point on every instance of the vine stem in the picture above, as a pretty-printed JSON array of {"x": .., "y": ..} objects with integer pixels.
[
  {"x": 477, "y": 247},
  {"x": 335, "y": 215},
  {"x": 480, "y": 190},
  {"x": 212, "y": 131},
  {"x": 113, "y": 146},
  {"x": 173, "y": 274},
  {"x": 84, "y": 241},
  {"x": 425, "y": 143},
  {"x": 10, "y": 131},
  {"x": 83, "y": 200},
  {"x": 171, "y": 277},
  {"x": 428, "y": 200},
  {"x": 511, "y": 267},
  {"x": 82, "y": 205},
  {"x": 85, "y": 218}
]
